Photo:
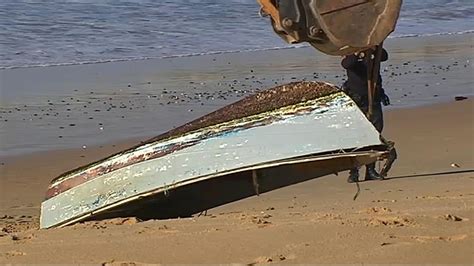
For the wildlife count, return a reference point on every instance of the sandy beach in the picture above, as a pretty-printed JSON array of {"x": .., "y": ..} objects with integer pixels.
[{"x": 423, "y": 213}]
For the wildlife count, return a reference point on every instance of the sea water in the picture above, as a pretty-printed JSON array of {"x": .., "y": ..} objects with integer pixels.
[{"x": 58, "y": 32}]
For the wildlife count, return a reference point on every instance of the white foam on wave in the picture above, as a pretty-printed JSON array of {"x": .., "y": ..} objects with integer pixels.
[
  {"x": 101, "y": 61},
  {"x": 430, "y": 34}
]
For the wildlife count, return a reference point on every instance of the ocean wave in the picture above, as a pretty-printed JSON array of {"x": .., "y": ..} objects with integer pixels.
[
  {"x": 431, "y": 34},
  {"x": 139, "y": 58}
]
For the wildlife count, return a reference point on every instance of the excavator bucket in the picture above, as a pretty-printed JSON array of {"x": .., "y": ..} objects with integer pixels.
[{"x": 335, "y": 27}]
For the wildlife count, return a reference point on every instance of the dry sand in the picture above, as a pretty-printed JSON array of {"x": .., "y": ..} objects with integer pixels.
[{"x": 423, "y": 214}]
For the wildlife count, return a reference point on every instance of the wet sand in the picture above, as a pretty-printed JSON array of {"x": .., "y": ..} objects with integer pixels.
[
  {"x": 422, "y": 214},
  {"x": 54, "y": 108}
]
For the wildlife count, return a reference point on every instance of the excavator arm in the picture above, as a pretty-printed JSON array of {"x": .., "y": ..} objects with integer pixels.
[
  {"x": 334, "y": 27},
  {"x": 339, "y": 27}
]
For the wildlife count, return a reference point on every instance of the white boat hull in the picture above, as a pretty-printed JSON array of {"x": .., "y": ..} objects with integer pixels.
[{"x": 320, "y": 129}]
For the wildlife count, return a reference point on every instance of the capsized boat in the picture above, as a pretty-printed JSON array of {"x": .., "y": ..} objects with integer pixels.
[{"x": 274, "y": 138}]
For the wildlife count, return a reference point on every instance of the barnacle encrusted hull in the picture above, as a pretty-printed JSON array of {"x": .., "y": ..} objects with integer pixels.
[{"x": 291, "y": 124}]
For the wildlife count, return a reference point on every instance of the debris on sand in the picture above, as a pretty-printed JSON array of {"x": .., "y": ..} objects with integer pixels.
[
  {"x": 455, "y": 165},
  {"x": 452, "y": 217},
  {"x": 263, "y": 259},
  {"x": 460, "y": 98}
]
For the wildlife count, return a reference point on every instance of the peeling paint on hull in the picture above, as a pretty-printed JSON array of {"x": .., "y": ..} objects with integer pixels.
[{"x": 313, "y": 130}]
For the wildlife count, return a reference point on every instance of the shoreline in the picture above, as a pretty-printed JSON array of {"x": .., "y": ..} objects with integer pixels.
[
  {"x": 138, "y": 59},
  {"x": 72, "y": 106}
]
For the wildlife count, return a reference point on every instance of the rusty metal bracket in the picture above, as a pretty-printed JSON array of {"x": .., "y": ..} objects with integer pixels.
[
  {"x": 268, "y": 7},
  {"x": 390, "y": 157}
]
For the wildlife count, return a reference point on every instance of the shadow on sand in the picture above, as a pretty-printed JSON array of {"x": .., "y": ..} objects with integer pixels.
[
  {"x": 185, "y": 201},
  {"x": 433, "y": 174}
]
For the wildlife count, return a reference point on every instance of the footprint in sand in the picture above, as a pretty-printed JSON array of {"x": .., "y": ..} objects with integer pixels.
[
  {"x": 390, "y": 221},
  {"x": 122, "y": 263},
  {"x": 438, "y": 197},
  {"x": 23, "y": 237},
  {"x": 14, "y": 253},
  {"x": 3, "y": 231},
  {"x": 454, "y": 218},
  {"x": 106, "y": 223},
  {"x": 261, "y": 220},
  {"x": 384, "y": 200},
  {"x": 425, "y": 239},
  {"x": 276, "y": 259},
  {"x": 378, "y": 210},
  {"x": 12, "y": 224},
  {"x": 454, "y": 238},
  {"x": 261, "y": 260}
]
